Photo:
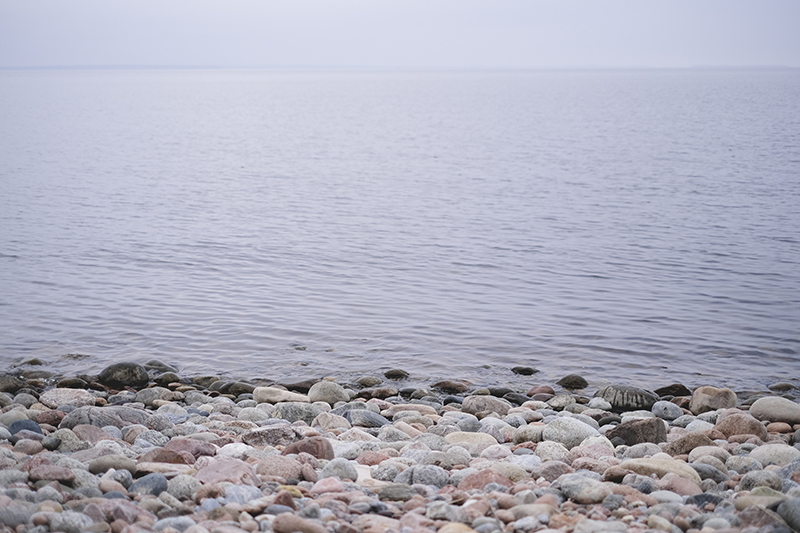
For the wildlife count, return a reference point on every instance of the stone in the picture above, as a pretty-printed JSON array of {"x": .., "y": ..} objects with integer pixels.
[
  {"x": 638, "y": 431},
  {"x": 121, "y": 375},
  {"x": 341, "y": 468},
  {"x": 183, "y": 487},
  {"x": 424, "y": 475},
  {"x": 153, "y": 484},
  {"x": 666, "y": 410},
  {"x": 24, "y": 424},
  {"x": 59, "y": 396},
  {"x": 660, "y": 465},
  {"x": 776, "y": 409},
  {"x": 482, "y": 404},
  {"x": 294, "y": 411},
  {"x": 626, "y": 398},
  {"x": 480, "y": 479},
  {"x": 70, "y": 522},
  {"x": 11, "y": 384},
  {"x": 740, "y": 423},
  {"x": 117, "y": 416},
  {"x": 706, "y": 399},
  {"x": 275, "y": 395},
  {"x": 775, "y": 454},
  {"x": 687, "y": 443},
  {"x": 396, "y": 492},
  {"x": 328, "y": 392},
  {"x": 568, "y": 431},
  {"x": 761, "y": 478},
  {"x": 450, "y": 386},
  {"x": 270, "y": 436},
  {"x": 478, "y": 439},
  {"x": 280, "y": 466},
  {"x": 583, "y": 489},
  {"x": 231, "y": 470},
  {"x": 552, "y": 451},
  {"x": 573, "y": 381},
  {"x": 789, "y": 510},
  {"x": 61, "y": 474},
  {"x": 319, "y": 447},
  {"x": 292, "y": 523},
  {"x": 365, "y": 418}
]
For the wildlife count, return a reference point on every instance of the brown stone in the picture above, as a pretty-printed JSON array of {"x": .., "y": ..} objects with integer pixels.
[
  {"x": 285, "y": 498},
  {"x": 51, "y": 417},
  {"x": 779, "y": 427},
  {"x": 450, "y": 387},
  {"x": 480, "y": 479},
  {"x": 679, "y": 485},
  {"x": 61, "y": 474},
  {"x": 616, "y": 474},
  {"x": 280, "y": 466},
  {"x": 632, "y": 495},
  {"x": 92, "y": 434},
  {"x": 164, "y": 455},
  {"x": 687, "y": 443},
  {"x": 541, "y": 389},
  {"x": 319, "y": 447},
  {"x": 639, "y": 431},
  {"x": 552, "y": 470},
  {"x": 371, "y": 458},
  {"x": 193, "y": 446},
  {"x": 740, "y": 423},
  {"x": 710, "y": 399}
]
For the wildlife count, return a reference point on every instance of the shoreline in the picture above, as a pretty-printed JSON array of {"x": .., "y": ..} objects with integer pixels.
[{"x": 140, "y": 448}]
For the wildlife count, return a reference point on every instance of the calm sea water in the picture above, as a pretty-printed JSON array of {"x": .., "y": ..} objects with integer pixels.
[{"x": 630, "y": 226}]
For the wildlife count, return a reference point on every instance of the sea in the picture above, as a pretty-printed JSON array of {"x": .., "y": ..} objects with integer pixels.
[{"x": 631, "y": 226}]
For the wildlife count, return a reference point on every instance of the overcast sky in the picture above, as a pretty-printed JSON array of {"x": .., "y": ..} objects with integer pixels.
[{"x": 408, "y": 33}]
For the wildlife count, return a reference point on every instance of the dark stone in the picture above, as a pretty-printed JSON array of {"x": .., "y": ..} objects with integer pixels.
[
  {"x": 611, "y": 419},
  {"x": 276, "y": 509},
  {"x": 365, "y": 418},
  {"x": 220, "y": 386},
  {"x": 396, "y": 373},
  {"x": 458, "y": 400},
  {"x": 379, "y": 392},
  {"x": 524, "y": 370},
  {"x": 18, "y": 425},
  {"x": 676, "y": 389},
  {"x": 204, "y": 381},
  {"x": 704, "y": 499},
  {"x": 781, "y": 387},
  {"x": 573, "y": 381},
  {"x": 342, "y": 409},
  {"x": 72, "y": 383},
  {"x": 121, "y": 375},
  {"x": 153, "y": 484},
  {"x": 516, "y": 398},
  {"x": 499, "y": 392},
  {"x": 709, "y": 472},
  {"x": 450, "y": 387},
  {"x": 319, "y": 447},
  {"x": 51, "y": 443},
  {"x": 158, "y": 366},
  {"x": 9, "y": 383},
  {"x": 613, "y": 502},
  {"x": 625, "y": 398},
  {"x": 638, "y": 431},
  {"x": 166, "y": 378},
  {"x": 240, "y": 387},
  {"x": 542, "y": 397},
  {"x": 115, "y": 494},
  {"x": 299, "y": 385}
]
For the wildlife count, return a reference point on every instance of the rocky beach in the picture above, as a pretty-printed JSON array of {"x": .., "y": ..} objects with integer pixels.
[{"x": 140, "y": 448}]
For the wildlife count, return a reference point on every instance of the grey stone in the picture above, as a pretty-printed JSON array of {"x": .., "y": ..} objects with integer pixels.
[
  {"x": 17, "y": 513},
  {"x": 761, "y": 478},
  {"x": 742, "y": 464},
  {"x": 70, "y": 522},
  {"x": 666, "y": 410},
  {"x": 568, "y": 431},
  {"x": 328, "y": 392},
  {"x": 789, "y": 510},
  {"x": 424, "y": 475},
  {"x": 242, "y": 494},
  {"x": 776, "y": 409},
  {"x": 116, "y": 415},
  {"x": 627, "y": 398},
  {"x": 148, "y": 396},
  {"x": 341, "y": 468},
  {"x": 24, "y": 424},
  {"x": 482, "y": 404},
  {"x": 270, "y": 436},
  {"x": 153, "y": 484},
  {"x": 183, "y": 487},
  {"x": 439, "y": 510},
  {"x": 706, "y": 471},
  {"x": 397, "y": 492},
  {"x": 294, "y": 411},
  {"x": 582, "y": 489},
  {"x": 775, "y": 454},
  {"x": 9, "y": 476},
  {"x": 180, "y": 523},
  {"x": 365, "y": 418}
]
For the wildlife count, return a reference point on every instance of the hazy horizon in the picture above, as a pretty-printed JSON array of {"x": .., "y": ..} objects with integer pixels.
[{"x": 358, "y": 34}]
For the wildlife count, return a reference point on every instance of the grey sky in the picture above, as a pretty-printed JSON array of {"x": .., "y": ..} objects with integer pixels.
[{"x": 408, "y": 33}]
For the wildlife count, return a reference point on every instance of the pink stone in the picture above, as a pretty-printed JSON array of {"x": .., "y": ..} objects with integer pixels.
[
  {"x": 482, "y": 478},
  {"x": 232, "y": 470},
  {"x": 52, "y": 473},
  {"x": 328, "y": 484},
  {"x": 193, "y": 446}
]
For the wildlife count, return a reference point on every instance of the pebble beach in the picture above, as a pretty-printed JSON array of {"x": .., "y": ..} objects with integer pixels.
[{"x": 140, "y": 448}]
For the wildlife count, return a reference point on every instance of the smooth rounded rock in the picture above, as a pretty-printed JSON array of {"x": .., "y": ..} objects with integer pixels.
[
  {"x": 627, "y": 398},
  {"x": 328, "y": 392},
  {"x": 776, "y": 409},
  {"x": 568, "y": 431},
  {"x": 706, "y": 399},
  {"x": 153, "y": 484},
  {"x": 126, "y": 374}
]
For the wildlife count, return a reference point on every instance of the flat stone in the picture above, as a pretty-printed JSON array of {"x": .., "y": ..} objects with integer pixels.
[
  {"x": 660, "y": 465},
  {"x": 583, "y": 489},
  {"x": 775, "y": 454},
  {"x": 270, "y": 436},
  {"x": 365, "y": 418},
  {"x": 292, "y": 523},
  {"x": 568, "y": 431},
  {"x": 482, "y": 478},
  {"x": 280, "y": 466},
  {"x": 60, "y": 396},
  {"x": 481, "y": 404},
  {"x": 687, "y": 443},
  {"x": 319, "y": 447},
  {"x": 231, "y": 470},
  {"x": 470, "y": 438},
  {"x": 117, "y": 416},
  {"x": 294, "y": 411}
]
